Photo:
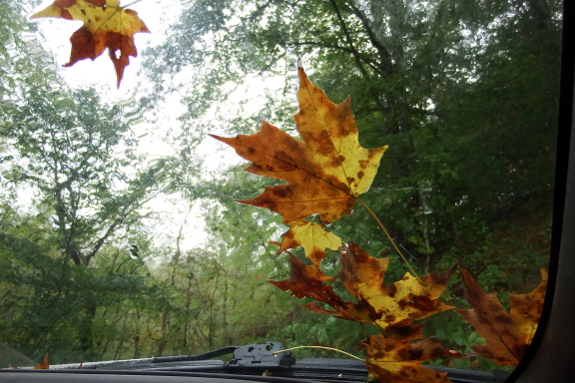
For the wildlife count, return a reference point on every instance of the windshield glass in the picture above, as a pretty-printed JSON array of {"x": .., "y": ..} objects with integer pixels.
[{"x": 120, "y": 234}]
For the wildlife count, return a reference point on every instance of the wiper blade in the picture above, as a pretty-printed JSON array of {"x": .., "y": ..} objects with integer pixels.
[
  {"x": 259, "y": 359},
  {"x": 259, "y": 355}
]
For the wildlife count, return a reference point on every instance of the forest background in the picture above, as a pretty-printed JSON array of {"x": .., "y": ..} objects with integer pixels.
[{"x": 463, "y": 92}]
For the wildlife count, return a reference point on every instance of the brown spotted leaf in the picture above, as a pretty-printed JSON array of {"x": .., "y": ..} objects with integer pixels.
[
  {"x": 396, "y": 304},
  {"x": 106, "y": 25},
  {"x": 393, "y": 357},
  {"x": 399, "y": 303},
  {"x": 325, "y": 171},
  {"x": 507, "y": 336}
]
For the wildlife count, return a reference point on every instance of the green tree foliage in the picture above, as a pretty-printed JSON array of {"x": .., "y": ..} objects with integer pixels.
[
  {"x": 46, "y": 300},
  {"x": 69, "y": 158},
  {"x": 463, "y": 92}
]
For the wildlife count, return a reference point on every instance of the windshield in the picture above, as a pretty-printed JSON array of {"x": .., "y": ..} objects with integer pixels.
[{"x": 120, "y": 234}]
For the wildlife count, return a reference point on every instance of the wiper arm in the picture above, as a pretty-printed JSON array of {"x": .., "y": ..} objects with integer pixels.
[
  {"x": 257, "y": 355},
  {"x": 205, "y": 356}
]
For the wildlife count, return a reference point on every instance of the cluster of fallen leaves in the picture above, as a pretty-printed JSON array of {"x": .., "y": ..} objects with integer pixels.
[{"x": 326, "y": 171}]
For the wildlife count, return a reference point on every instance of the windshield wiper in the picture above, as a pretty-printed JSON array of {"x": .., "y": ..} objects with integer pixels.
[{"x": 259, "y": 359}]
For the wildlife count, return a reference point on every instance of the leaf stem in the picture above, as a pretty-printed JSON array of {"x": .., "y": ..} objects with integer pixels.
[
  {"x": 389, "y": 237},
  {"x": 320, "y": 347}
]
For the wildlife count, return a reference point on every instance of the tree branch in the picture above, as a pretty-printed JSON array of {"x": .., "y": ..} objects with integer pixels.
[
  {"x": 384, "y": 55},
  {"x": 354, "y": 51}
]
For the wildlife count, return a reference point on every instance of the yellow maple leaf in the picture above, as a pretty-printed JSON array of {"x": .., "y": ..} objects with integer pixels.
[
  {"x": 106, "y": 25},
  {"x": 312, "y": 237},
  {"x": 325, "y": 172}
]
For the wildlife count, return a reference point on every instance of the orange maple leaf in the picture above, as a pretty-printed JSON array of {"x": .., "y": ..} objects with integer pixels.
[
  {"x": 507, "y": 336},
  {"x": 106, "y": 25},
  {"x": 43, "y": 364},
  {"x": 396, "y": 304},
  {"x": 326, "y": 172},
  {"x": 393, "y": 358}
]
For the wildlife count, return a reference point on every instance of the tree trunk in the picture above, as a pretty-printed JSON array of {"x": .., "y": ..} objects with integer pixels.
[{"x": 85, "y": 333}]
